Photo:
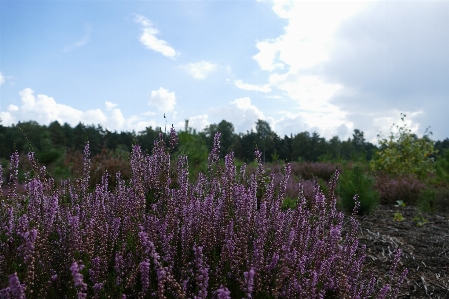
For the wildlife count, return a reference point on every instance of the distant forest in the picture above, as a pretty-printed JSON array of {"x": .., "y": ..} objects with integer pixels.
[{"x": 52, "y": 141}]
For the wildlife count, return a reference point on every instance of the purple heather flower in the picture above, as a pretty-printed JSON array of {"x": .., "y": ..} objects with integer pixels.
[
  {"x": 1, "y": 180},
  {"x": 214, "y": 154},
  {"x": 145, "y": 272},
  {"x": 98, "y": 287},
  {"x": 249, "y": 282},
  {"x": 223, "y": 293},
  {"x": 119, "y": 267},
  {"x": 383, "y": 292},
  {"x": 202, "y": 277},
  {"x": 17, "y": 289},
  {"x": 78, "y": 280}
]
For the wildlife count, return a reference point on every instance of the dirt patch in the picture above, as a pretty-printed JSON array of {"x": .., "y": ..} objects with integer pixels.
[{"x": 425, "y": 249}]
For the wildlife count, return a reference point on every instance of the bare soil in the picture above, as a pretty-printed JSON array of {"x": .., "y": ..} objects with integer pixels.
[{"x": 425, "y": 249}]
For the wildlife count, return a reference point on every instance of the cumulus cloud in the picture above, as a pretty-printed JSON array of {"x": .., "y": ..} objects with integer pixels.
[
  {"x": 241, "y": 113},
  {"x": 164, "y": 100},
  {"x": 347, "y": 65},
  {"x": 84, "y": 40},
  {"x": 110, "y": 106},
  {"x": 246, "y": 86},
  {"x": 198, "y": 123},
  {"x": 13, "y": 108},
  {"x": 308, "y": 35},
  {"x": 45, "y": 109},
  {"x": 199, "y": 70},
  {"x": 2, "y": 79},
  {"x": 294, "y": 60},
  {"x": 150, "y": 41}
]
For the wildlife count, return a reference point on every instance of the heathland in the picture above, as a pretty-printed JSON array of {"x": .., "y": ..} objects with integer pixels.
[{"x": 86, "y": 212}]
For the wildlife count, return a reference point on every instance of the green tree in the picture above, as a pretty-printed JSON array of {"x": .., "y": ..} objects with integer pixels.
[
  {"x": 403, "y": 153},
  {"x": 57, "y": 135},
  {"x": 265, "y": 137},
  {"x": 192, "y": 145},
  {"x": 226, "y": 130},
  {"x": 353, "y": 181}
]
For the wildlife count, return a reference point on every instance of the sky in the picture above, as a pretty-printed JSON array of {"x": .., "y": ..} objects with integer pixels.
[{"x": 328, "y": 67}]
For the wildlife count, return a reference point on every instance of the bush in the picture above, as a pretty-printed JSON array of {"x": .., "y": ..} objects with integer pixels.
[
  {"x": 404, "y": 154},
  {"x": 426, "y": 201},
  {"x": 313, "y": 171},
  {"x": 405, "y": 188},
  {"x": 354, "y": 182},
  {"x": 155, "y": 237},
  {"x": 442, "y": 168},
  {"x": 433, "y": 200}
]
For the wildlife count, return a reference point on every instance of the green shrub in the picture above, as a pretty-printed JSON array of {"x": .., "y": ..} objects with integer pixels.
[
  {"x": 442, "y": 167},
  {"x": 426, "y": 201},
  {"x": 289, "y": 203},
  {"x": 403, "y": 153},
  {"x": 354, "y": 181},
  {"x": 434, "y": 200}
]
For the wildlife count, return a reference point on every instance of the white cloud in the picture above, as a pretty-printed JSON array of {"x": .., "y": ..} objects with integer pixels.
[
  {"x": 110, "y": 105},
  {"x": 199, "y": 122},
  {"x": 84, "y": 40},
  {"x": 150, "y": 41},
  {"x": 246, "y": 86},
  {"x": 241, "y": 113},
  {"x": 45, "y": 109},
  {"x": 199, "y": 70},
  {"x": 13, "y": 108},
  {"x": 268, "y": 58},
  {"x": 308, "y": 36},
  {"x": 163, "y": 99},
  {"x": 294, "y": 60},
  {"x": 2, "y": 79}
]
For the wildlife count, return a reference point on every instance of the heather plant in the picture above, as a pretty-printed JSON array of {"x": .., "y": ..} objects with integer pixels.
[
  {"x": 403, "y": 188},
  {"x": 160, "y": 236},
  {"x": 110, "y": 162},
  {"x": 354, "y": 182},
  {"x": 402, "y": 153},
  {"x": 313, "y": 171}
]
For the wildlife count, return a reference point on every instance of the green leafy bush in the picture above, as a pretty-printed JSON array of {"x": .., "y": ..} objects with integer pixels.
[
  {"x": 404, "y": 153},
  {"x": 442, "y": 168},
  {"x": 354, "y": 181}
]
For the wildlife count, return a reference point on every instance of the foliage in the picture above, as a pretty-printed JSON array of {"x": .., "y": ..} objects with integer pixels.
[
  {"x": 58, "y": 138},
  {"x": 442, "y": 168},
  {"x": 191, "y": 145},
  {"x": 158, "y": 235},
  {"x": 398, "y": 217},
  {"x": 433, "y": 200},
  {"x": 404, "y": 188},
  {"x": 311, "y": 171},
  {"x": 403, "y": 153},
  {"x": 420, "y": 220},
  {"x": 426, "y": 200},
  {"x": 355, "y": 182}
]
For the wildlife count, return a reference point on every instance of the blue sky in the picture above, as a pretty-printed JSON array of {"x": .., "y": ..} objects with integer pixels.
[{"x": 329, "y": 67}]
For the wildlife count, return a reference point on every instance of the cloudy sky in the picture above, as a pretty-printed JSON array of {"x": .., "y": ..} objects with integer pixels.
[{"x": 329, "y": 67}]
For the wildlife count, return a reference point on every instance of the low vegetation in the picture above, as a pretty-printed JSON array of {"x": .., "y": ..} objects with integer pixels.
[
  {"x": 224, "y": 235},
  {"x": 185, "y": 218}
]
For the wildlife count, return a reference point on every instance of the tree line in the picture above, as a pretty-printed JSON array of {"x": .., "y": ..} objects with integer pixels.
[{"x": 50, "y": 142}]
